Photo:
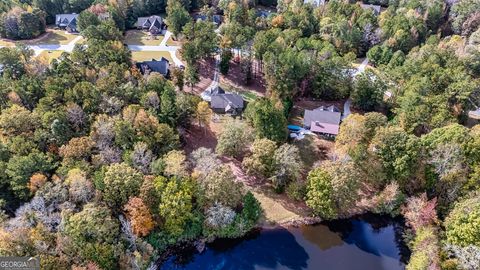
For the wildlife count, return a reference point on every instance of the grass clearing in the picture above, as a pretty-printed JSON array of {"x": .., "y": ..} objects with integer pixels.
[
  {"x": 51, "y": 37},
  {"x": 274, "y": 211},
  {"x": 139, "y": 37},
  {"x": 140, "y": 56},
  {"x": 171, "y": 42},
  {"x": 6, "y": 43},
  {"x": 49, "y": 55}
]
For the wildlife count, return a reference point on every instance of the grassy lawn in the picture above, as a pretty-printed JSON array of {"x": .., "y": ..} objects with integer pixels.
[
  {"x": 171, "y": 42},
  {"x": 4, "y": 42},
  {"x": 49, "y": 55},
  {"x": 53, "y": 36},
  {"x": 140, "y": 56},
  {"x": 247, "y": 95},
  {"x": 138, "y": 37},
  {"x": 274, "y": 211},
  {"x": 56, "y": 36}
]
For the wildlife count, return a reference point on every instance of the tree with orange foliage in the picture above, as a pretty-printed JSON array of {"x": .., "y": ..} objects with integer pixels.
[
  {"x": 140, "y": 217},
  {"x": 36, "y": 182},
  {"x": 278, "y": 21},
  {"x": 77, "y": 148}
]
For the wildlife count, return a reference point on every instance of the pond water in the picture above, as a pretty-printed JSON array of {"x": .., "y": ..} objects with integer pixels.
[{"x": 363, "y": 243}]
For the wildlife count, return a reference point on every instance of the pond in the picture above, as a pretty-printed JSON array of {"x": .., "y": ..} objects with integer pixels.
[{"x": 363, "y": 243}]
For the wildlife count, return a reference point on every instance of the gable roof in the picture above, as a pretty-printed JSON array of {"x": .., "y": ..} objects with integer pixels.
[
  {"x": 161, "y": 66},
  {"x": 315, "y": 3},
  {"x": 324, "y": 121},
  {"x": 324, "y": 128},
  {"x": 376, "y": 8},
  {"x": 147, "y": 22},
  {"x": 227, "y": 102},
  {"x": 216, "y": 19},
  {"x": 65, "y": 19},
  {"x": 156, "y": 24},
  {"x": 331, "y": 108}
]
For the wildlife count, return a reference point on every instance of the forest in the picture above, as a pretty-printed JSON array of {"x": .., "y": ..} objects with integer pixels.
[{"x": 94, "y": 168}]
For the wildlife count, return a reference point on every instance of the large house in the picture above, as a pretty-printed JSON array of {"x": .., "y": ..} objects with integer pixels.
[
  {"x": 223, "y": 102},
  {"x": 153, "y": 24},
  {"x": 227, "y": 103},
  {"x": 323, "y": 120},
  {"x": 67, "y": 22},
  {"x": 161, "y": 66}
]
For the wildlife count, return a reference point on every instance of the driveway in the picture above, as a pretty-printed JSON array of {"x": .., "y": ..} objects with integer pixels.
[
  {"x": 348, "y": 102},
  {"x": 163, "y": 47},
  {"x": 346, "y": 108},
  {"x": 38, "y": 49}
]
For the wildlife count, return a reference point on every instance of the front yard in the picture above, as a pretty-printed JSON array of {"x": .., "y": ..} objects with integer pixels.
[
  {"x": 54, "y": 36},
  {"x": 138, "y": 37},
  {"x": 49, "y": 55}
]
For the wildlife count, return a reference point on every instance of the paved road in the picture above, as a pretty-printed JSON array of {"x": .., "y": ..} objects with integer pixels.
[
  {"x": 38, "y": 49},
  {"x": 163, "y": 47}
]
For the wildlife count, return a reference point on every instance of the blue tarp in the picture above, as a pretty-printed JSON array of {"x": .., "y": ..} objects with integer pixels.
[{"x": 294, "y": 128}]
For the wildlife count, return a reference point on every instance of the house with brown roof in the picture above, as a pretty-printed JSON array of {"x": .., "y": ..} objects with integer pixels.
[{"x": 324, "y": 120}]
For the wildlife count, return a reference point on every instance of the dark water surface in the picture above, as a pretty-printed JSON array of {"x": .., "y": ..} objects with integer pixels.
[{"x": 363, "y": 243}]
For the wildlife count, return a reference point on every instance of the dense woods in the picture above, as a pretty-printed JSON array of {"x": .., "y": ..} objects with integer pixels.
[{"x": 94, "y": 169}]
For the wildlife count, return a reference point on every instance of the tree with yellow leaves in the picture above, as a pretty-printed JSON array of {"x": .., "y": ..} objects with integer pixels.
[{"x": 204, "y": 113}]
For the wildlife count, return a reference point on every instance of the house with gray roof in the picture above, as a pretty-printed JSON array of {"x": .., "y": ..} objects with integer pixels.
[
  {"x": 227, "y": 103},
  {"x": 315, "y": 3},
  {"x": 161, "y": 66},
  {"x": 153, "y": 24},
  {"x": 323, "y": 120},
  {"x": 375, "y": 8},
  {"x": 216, "y": 19},
  {"x": 67, "y": 22}
]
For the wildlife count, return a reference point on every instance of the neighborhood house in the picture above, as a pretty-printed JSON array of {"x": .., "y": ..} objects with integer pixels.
[
  {"x": 323, "y": 120},
  {"x": 153, "y": 24},
  {"x": 315, "y": 3},
  {"x": 376, "y": 8},
  {"x": 227, "y": 103},
  {"x": 161, "y": 66},
  {"x": 216, "y": 19},
  {"x": 67, "y": 22}
]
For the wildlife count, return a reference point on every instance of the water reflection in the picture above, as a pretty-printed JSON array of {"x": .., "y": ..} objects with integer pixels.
[
  {"x": 361, "y": 243},
  {"x": 268, "y": 249}
]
